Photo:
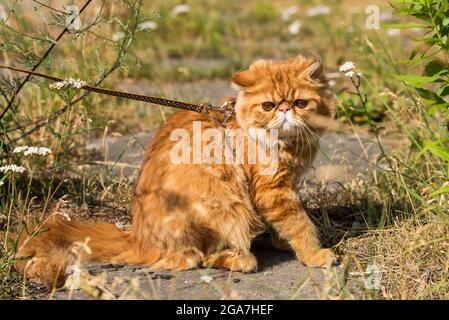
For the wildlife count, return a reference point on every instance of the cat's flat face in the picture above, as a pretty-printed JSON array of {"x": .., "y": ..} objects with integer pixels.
[{"x": 285, "y": 95}]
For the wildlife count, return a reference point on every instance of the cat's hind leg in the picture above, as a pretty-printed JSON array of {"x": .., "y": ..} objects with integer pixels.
[
  {"x": 232, "y": 259},
  {"x": 180, "y": 260},
  {"x": 235, "y": 229}
]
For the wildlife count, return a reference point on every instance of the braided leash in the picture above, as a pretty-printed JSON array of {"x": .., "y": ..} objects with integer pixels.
[{"x": 227, "y": 108}]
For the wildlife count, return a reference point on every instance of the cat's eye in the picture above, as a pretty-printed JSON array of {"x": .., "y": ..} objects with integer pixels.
[
  {"x": 268, "y": 105},
  {"x": 301, "y": 103}
]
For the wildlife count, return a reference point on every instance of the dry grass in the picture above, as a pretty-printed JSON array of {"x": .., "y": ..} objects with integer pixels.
[{"x": 412, "y": 256}]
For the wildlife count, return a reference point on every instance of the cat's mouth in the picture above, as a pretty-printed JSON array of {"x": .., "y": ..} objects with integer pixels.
[
  {"x": 285, "y": 125},
  {"x": 289, "y": 126},
  {"x": 283, "y": 122}
]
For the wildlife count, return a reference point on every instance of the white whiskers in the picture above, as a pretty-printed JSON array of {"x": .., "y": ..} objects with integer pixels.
[
  {"x": 307, "y": 136},
  {"x": 310, "y": 136}
]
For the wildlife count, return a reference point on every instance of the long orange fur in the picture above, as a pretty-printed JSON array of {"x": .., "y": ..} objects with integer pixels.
[{"x": 194, "y": 215}]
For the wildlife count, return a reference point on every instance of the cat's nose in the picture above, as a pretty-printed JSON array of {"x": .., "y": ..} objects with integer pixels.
[{"x": 284, "y": 108}]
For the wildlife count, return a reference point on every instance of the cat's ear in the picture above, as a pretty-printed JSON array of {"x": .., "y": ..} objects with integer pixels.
[
  {"x": 249, "y": 78},
  {"x": 243, "y": 79},
  {"x": 313, "y": 72}
]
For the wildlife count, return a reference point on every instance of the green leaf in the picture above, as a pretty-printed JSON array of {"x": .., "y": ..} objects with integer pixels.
[
  {"x": 428, "y": 95},
  {"x": 434, "y": 67},
  {"x": 404, "y": 25},
  {"x": 439, "y": 151},
  {"x": 436, "y": 107},
  {"x": 444, "y": 189},
  {"x": 443, "y": 91},
  {"x": 415, "y": 81},
  {"x": 435, "y": 148}
]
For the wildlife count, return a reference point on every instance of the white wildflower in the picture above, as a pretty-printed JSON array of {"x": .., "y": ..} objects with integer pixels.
[
  {"x": 42, "y": 151},
  {"x": 57, "y": 85},
  {"x": 20, "y": 149},
  {"x": 27, "y": 151},
  {"x": 117, "y": 36},
  {"x": 347, "y": 66},
  {"x": 393, "y": 32},
  {"x": 331, "y": 83},
  {"x": 73, "y": 21},
  {"x": 206, "y": 279},
  {"x": 287, "y": 13},
  {"x": 181, "y": 8},
  {"x": 1, "y": 183},
  {"x": 147, "y": 25},
  {"x": 68, "y": 83},
  {"x": 294, "y": 27},
  {"x": 350, "y": 74},
  {"x": 12, "y": 168},
  {"x": 318, "y": 10}
]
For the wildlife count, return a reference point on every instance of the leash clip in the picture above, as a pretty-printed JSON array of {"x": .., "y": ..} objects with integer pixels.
[{"x": 227, "y": 108}]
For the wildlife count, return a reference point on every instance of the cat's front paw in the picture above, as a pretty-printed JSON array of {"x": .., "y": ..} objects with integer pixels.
[{"x": 319, "y": 259}]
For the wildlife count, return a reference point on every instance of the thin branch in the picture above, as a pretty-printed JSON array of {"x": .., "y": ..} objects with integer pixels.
[
  {"x": 11, "y": 11},
  {"x": 49, "y": 7},
  {"x": 39, "y": 123},
  {"x": 9, "y": 106}
]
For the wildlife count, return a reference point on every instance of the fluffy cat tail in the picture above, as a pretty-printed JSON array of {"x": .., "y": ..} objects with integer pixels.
[{"x": 58, "y": 243}]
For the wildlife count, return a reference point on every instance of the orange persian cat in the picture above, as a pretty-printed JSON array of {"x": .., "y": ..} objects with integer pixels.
[{"x": 207, "y": 214}]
